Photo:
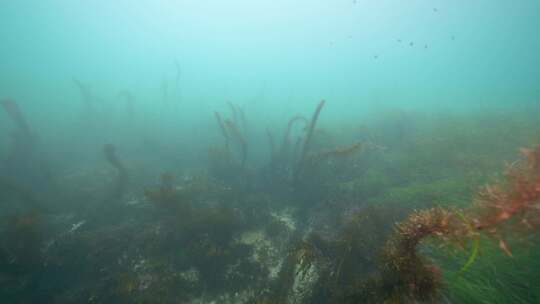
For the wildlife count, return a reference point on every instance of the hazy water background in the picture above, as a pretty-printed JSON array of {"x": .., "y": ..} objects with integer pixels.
[
  {"x": 275, "y": 56},
  {"x": 432, "y": 79}
]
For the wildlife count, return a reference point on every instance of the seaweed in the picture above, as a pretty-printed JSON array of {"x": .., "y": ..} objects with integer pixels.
[
  {"x": 234, "y": 112},
  {"x": 88, "y": 98},
  {"x": 298, "y": 270},
  {"x": 205, "y": 232},
  {"x": 233, "y": 131},
  {"x": 24, "y": 140},
  {"x": 164, "y": 91},
  {"x": 515, "y": 199},
  {"x": 165, "y": 195},
  {"x": 503, "y": 206},
  {"x": 406, "y": 274},
  {"x": 333, "y": 159},
  {"x": 272, "y": 144},
  {"x": 221, "y": 125},
  {"x": 121, "y": 181},
  {"x": 286, "y": 142},
  {"x": 14, "y": 112},
  {"x": 22, "y": 241},
  {"x": 222, "y": 236},
  {"x": 25, "y": 164},
  {"x": 243, "y": 121},
  {"x": 181, "y": 198},
  {"x": 307, "y": 140},
  {"x": 9, "y": 189}
]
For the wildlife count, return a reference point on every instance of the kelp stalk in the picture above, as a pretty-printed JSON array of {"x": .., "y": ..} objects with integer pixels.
[
  {"x": 121, "y": 181},
  {"x": 221, "y": 125},
  {"x": 232, "y": 129},
  {"x": 286, "y": 143},
  {"x": 86, "y": 94},
  {"x": 308, "y": 138},
  {"x": 234, "y": 111},
  {"x": 14, "y": 112},
  {"x": 272, "y": 144}
]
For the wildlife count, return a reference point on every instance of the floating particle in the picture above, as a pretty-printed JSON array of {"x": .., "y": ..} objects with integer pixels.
[
  {"x": 399, "y": 40},
  {"x": 453, "y": 37},
  {"x": 435, "y": 9},
  {"x": 426, "y": 46},
  {"x": 411, "y": 43},
  {"x": 375, "y": 56}
]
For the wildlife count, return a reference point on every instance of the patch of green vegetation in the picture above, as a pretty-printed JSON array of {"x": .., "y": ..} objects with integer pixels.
[
  {"x": 447, "y": 191},
  {"x": 370, "y": 184},
  {"x": 494, "y": 277}
]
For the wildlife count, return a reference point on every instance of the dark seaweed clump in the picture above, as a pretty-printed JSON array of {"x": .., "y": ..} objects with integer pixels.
[{"x": 393, "y": 210}]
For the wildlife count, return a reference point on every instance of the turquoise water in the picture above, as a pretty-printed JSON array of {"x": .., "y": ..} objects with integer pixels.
[
  {"x": 120, "y": 99},
  {"x": 477, "y": 51}
]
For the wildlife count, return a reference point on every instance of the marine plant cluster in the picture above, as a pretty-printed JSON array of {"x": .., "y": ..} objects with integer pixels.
[{"x": 396, "y": 210}]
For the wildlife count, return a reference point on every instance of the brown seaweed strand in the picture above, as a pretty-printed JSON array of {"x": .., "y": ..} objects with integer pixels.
[
  {"x": 234, "y": 111},
  {"x": 286, "y": 137},
  {"x": 86, "y": 94},
  {"x": 272, "y": 144},
  {"x": 307, "y": 141},
  {"x": 222, "y": 128},
  {"x": 121, "y": 181},
  {"x": 233, "y": 129},
  {"x": 343, "y": 151},
  {"x": 25, "y": 194},
  {"x": 14, "y": 112},
  {"x": 243, "y": 121},
  {"x": 411, "y": 276}
]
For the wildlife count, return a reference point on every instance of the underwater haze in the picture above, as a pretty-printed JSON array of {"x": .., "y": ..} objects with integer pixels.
[{"x": 270, "y": 151}]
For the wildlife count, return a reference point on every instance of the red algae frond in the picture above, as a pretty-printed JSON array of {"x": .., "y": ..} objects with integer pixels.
[
  {"x": 507, "y": 205},
  {"x": 516, "y": 200}
]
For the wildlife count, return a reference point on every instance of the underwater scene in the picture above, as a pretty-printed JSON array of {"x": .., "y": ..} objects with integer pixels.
[{"x": 269, "y": 151}]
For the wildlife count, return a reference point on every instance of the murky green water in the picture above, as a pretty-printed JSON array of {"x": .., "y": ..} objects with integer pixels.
[{"x": 269, "y": 151}]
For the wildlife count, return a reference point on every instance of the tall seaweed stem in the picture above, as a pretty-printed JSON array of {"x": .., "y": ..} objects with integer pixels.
[
  {"x": 307, "y": 141},
  {"x": 121, "y": 180}
]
